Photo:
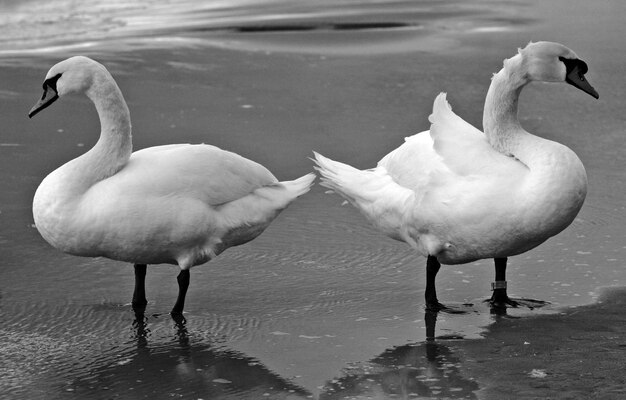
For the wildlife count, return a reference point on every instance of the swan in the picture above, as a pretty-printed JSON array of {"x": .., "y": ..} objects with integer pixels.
[
  {"x": 456, "y": 194},
  {"x": 178, "y": 204}
]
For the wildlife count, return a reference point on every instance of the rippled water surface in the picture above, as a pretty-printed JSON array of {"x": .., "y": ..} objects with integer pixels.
[{"x": 320, "y": 305}]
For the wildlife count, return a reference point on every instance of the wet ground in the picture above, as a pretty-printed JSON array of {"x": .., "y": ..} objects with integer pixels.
[{"x": 320, "y": 305}]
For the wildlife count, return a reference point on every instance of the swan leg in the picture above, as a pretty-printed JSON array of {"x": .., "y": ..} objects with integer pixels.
[
  {"x": 432, "y": 267},
  {"x": 432, "y": 303},
  {"x": 500, "y": 299},
  {"x": 183, "y": 285},
  {"x": 139, "y": 302}
]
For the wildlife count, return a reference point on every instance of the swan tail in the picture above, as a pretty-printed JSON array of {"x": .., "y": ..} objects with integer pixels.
[
  {"x": 299, "y": 186},
  {"x": 278, "y": 195},
  {"x": 342, "y": 179},
  {"x": 244, "y": 219},
  {"x": 373, "y": 192}
]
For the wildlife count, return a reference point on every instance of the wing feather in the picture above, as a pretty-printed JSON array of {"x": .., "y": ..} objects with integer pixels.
[
  {"x": 451, "y": 153},
  {"x": 207, "y": 173}
]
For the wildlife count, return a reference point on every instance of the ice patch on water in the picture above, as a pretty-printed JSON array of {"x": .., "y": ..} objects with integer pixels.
[
  {"x": 538, "y": 373},
  {"x": 279, "y": 333},
  {"x": 309, "y": 337}
]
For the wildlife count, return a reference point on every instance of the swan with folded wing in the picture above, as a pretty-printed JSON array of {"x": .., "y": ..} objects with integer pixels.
[{"x": 180, "y": 204}]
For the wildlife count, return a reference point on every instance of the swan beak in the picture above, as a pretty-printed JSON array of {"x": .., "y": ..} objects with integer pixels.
[
  {"x": 576, "y": 78},
  {"x": 49, "y": 96}
]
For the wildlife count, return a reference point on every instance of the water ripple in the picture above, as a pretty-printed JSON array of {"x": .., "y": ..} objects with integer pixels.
[{"x": 93, "y": 350}]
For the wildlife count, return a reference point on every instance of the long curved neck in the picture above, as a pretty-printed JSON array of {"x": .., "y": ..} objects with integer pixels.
[
  {"x": 556, "y": 175},
  {"x": 500, "y": 121},
  {"x": 114, "y": 147},
  {"x": 57, "y": 201}
]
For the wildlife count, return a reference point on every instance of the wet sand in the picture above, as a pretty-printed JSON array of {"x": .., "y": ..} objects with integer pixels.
[{"x": 319, "y": 305}]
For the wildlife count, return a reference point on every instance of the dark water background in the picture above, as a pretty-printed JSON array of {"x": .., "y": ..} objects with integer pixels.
[{"x": 320, "y": 305}]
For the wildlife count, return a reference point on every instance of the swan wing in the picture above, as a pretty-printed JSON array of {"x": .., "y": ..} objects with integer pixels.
[
  {"x": 452, "y": 153},
  {"x": 204, "y": 172},
  {"x": 462, "y": 187},
  {"x": 465, "y": 149},
  {"x": 179, "y": 204}
]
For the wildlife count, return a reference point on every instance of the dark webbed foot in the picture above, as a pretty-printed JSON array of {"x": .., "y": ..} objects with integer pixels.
[
  {"x": 508, "y": 302},
  {"x": 438, "y": 307},
  {"x": 500, "y": 299},
  {"x": 434, "y": 306},
  {"x": 179, "y": 319}
]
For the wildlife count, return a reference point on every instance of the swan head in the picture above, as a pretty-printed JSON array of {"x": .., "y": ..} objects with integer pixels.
[
  {"x": 553, "y": 62},
  {"x": 73, "y": 75}
]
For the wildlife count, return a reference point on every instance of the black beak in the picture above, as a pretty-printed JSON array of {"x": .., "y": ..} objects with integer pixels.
[
  {"x": 49, "y": 96},
  {"x": 575, "y": 76}
]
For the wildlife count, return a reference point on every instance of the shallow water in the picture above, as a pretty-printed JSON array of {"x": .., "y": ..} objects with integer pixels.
[{"x": 320, "y": 305}]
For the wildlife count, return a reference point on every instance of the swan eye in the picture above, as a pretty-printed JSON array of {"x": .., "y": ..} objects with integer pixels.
[
  {"x": 571, "y": 64},
  {"x": 51, "y": 82}
]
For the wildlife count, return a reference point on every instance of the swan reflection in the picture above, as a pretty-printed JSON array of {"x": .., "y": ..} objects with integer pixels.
[
  {"x": 429, "y": 369},
  {"x": 182, "y": 368}
]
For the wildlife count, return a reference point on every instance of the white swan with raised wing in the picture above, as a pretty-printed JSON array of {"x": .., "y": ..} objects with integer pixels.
[{"x": 456, "y": 194}]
